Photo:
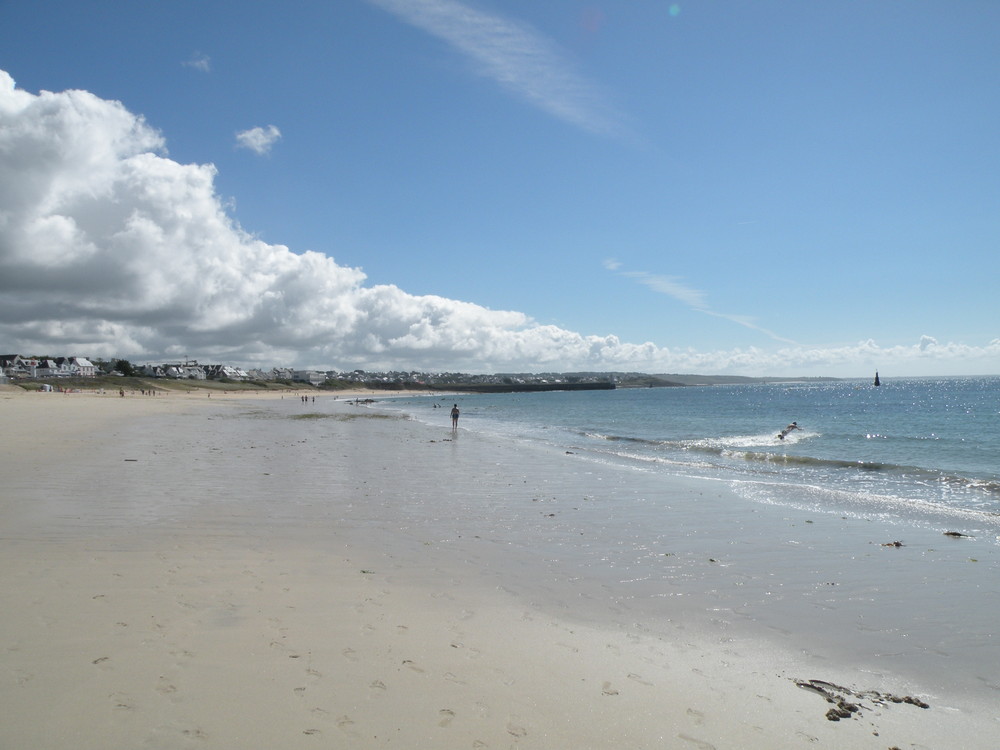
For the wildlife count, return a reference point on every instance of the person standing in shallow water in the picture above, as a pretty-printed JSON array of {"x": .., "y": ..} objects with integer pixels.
[{"x": 454, "y": 417}]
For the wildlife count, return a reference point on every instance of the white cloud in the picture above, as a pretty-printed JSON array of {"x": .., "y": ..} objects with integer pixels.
[
  {"x": 259, "y": 140},
  {"x": 515, "y": 56},
  {"x": 109, "y": 248},
  {"x": 198, "y": 61},
  {"x": 673, "y": 286}
]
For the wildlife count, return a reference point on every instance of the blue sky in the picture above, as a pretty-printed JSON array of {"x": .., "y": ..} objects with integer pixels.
[{"x": 780, "y": 188}]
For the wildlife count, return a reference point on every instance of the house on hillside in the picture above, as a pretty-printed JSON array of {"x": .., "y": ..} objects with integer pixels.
[
  {"x": 77, "y": 367},
  {"x": 309, "y": 376},
  {"x": 50, "y": 368},
  {"x": 82, "y": 367},
  {"x": 15, "y": 366},
  {"x": 225, "y": 372},
  {"x": 186, "y": 371}
]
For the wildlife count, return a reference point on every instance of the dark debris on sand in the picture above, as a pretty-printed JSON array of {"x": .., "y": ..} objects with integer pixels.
[{"x": 847, "y": 702}]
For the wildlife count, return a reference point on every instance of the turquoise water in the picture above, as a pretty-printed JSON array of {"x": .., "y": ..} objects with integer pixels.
[
  {"x": 830, "y": 544},
  {"x": 913, "y": 450}
]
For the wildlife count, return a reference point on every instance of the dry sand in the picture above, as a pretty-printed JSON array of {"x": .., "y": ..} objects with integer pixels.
[{"x": 147, "y": 605}]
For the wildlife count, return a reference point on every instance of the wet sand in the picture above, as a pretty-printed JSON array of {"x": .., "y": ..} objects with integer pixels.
[{"x": 240, "y": 573}]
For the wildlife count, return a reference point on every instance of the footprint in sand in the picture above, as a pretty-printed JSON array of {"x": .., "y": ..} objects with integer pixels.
[
  {"x": 447, "y": 716},
  {"x": 165, "y": 688},
  {"x": 516, "y": 730},
  {"x": 606, "y": 689},
  {"x": 346, "y": 725},
  {"x": 121, "y": 701},
  {"x": 698, "y": 716},
  {"x": 638, "y": 678},
  {"x": 697, "y": 743},
  {"x": 22, "y": 677},
  {"x": 182, "y": 654},
  {"x": 350, "y": 654}
]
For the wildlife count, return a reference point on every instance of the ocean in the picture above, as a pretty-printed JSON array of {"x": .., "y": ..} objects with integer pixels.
[
  {"x": 914, "y": 451},
  {"x": 871, "y": 534}
]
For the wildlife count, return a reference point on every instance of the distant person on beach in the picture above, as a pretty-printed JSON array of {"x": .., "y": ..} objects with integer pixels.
[
  {"x": 454, "y": 417},
  {"x": 792, "y": 426}
]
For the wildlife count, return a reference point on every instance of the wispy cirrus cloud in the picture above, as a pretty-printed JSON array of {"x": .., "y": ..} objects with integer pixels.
[
  {"x": 673, "y": 286},
  {"x": 259, "y": 140},
  {"x": 516, "y": 56}
]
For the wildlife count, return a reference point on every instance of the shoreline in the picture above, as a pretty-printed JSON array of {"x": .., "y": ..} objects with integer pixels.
[{"x": 301, "y": 583}]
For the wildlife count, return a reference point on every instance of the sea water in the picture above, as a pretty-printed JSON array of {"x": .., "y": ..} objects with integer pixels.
[
  {"x": 838, "y": 541},
  {"x": 913, "y": 450}
]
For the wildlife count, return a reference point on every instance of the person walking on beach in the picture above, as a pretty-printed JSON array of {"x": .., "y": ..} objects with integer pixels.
[{"x": 454, "y": 417}]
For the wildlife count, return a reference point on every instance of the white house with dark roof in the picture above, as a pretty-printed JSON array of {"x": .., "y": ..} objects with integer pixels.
[{"x": 82, "y": 367}]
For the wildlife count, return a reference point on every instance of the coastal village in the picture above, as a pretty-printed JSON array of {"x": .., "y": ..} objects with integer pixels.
[{"x": 16, "y": 368}]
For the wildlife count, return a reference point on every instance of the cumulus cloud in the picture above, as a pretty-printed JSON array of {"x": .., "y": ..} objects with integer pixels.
[
  {"x": 259, "y": 140},
  {"x": 108, "y": 248}
]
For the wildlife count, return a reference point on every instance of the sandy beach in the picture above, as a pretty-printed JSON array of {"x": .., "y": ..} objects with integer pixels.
[{"x": 253, "y": 572}]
